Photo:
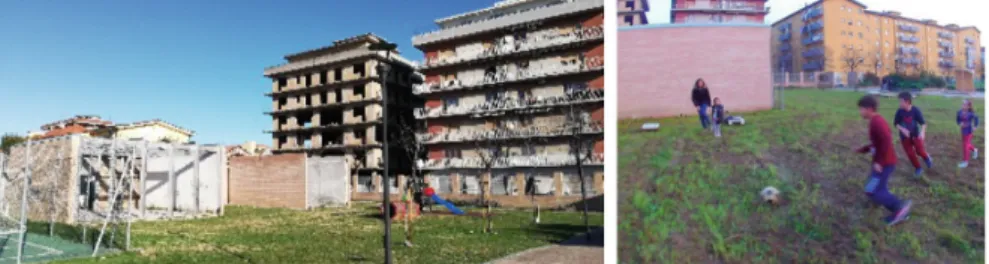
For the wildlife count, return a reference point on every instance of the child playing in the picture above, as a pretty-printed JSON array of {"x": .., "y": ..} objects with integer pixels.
[
  {"x": 883, "y": 162},
  {"x": 910, "y": 121},
  {"x": 718, "y": 114},
  {"x": 968, "y": 121}
]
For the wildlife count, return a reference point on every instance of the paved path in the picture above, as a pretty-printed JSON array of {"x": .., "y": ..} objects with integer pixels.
[{"x": 577, "y": 250}]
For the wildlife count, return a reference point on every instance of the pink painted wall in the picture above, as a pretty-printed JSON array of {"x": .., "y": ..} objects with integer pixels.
[{"x": 657, "y": 67}]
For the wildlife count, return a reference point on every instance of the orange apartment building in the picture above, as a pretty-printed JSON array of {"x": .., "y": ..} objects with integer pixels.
[
  {"x": 509, "y": 79},
  {"x": 829, "y": 36},
  {"x": 718, "y": 11},
  {"x": 633, "y": 12}
]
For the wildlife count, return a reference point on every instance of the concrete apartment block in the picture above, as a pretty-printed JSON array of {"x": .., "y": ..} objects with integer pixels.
[
  {"x": 632, "y": 12},
  {"x": 327, "y": 102},
  {"x": 822, "y": 36},
  {"x": 659, "y": 64},
  {"x": 490, "y": 85},
  {"x": 718, "y": 11}
]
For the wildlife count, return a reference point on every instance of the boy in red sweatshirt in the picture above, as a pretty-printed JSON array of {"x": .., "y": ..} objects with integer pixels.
[{"x": 883, "y": 162}]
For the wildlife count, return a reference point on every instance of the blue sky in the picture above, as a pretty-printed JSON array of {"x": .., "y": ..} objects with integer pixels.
[{"x": 196, "y": 64}]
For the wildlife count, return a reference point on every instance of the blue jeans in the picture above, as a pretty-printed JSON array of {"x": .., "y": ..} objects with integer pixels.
[
  {"x": 877, "y": 190},
  {"x": 702, "y": 112}
]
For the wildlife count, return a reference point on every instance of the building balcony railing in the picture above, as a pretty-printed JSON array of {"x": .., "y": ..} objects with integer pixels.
[
  {"x": 550, "y": 10},
  {"x": 785, "y": 36},
  {"x": 969, "y": 40},
  {"x": 556, "y": 160},
  {"x": 507, "y": 133},
  {"x": 785, "y": 47},
  {"x": 512, "y": 104},
  {"x": 946, "y": 54},
  {"x": 313, "y": 107},
  {"x": 813, "y": 52},
  {"x": 588, "y": 64},
  {"x": 945, "y": 35},
  {"x": 812, "y": 27},
  {"x": 361, "y": 121},
  {"x": 909, "y": 39},
  {"x": 785, "y": 27},
  {"x": 708, "y": 6},
  {"x": 816, "y": 38},
  {"x": 911, "y": 61},
  {"x": 970, "y": 64},
  {"x": 909, "y": 28},
  {"x": 908, "y": 50},
  {"x": 946, "y": 63},
  {"x": 520, "y": 46},
  {"x": 812, "y": 13},
  {"x": 814, "y": 66},
  {"x": 944, "y": 44}
]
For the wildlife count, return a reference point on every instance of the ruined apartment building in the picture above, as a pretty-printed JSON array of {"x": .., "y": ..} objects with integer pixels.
[
  {"x": 507, "y": 80},
  {"x": 327, "y": 101}
]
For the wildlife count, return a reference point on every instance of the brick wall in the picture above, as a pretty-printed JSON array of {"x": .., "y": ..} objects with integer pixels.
[
  {"x": 268, "y": 181},
  {"x": 657, "y": 67}
]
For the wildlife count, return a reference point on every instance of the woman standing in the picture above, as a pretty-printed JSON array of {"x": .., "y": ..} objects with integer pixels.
[{"x": 702, "y": 100}]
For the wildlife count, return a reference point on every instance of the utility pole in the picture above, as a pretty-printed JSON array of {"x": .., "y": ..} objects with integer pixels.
[{"x": 383, "y": 69}]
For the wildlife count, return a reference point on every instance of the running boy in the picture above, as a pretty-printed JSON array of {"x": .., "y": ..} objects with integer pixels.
[
  {"x": 883, "y": 162},
  {"x": 718, "y": 114},
  {"x": 968, "y": 121},
  {"x": 910, "y": 121}
]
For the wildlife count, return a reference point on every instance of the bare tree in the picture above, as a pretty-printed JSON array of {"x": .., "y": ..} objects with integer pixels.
[
  {"x": 491, "y": 151},
  {"x": 853, "y": 59},
  {"x": 529, "y": 145},
  {"x": 581, "y": 145},
  {"x": 413, "y": 147}
]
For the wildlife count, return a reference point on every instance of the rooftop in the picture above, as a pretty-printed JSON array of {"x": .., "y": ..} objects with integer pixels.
[{"x": 342, "y": 44}]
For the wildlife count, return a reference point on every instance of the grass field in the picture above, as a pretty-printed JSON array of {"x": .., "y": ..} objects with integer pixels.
[
  {"x": 249, "y": 235},
  {"x": 690, "y": 198}
]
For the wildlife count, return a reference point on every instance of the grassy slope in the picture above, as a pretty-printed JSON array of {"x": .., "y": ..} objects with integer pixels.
[
  {"x": 339, "y": 236},
  {"x": 694, "y": 199}
]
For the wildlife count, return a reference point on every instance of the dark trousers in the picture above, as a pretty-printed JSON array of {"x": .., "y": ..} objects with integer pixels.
[
  {"x": 877, "y": 190},
  {"x": 702, "y": 112}
]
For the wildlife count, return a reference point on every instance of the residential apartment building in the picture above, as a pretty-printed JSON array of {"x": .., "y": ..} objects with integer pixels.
[
  {"x": 718, "y": 11},
  {"x": 844, "y": 36},
  {"x": 79, "y": 124},
  {"x": 154, "y": 130},
  {"x": 504, "y": 84},
  {"x": 633, "y": 12},
  {"x": 327, "y": 101}
]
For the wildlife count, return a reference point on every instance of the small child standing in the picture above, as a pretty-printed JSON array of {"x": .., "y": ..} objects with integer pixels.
[
  {"x": 718, "y": 116},
  {"x": 883, "y": 162},
  {"x": 968, "y": 122}
]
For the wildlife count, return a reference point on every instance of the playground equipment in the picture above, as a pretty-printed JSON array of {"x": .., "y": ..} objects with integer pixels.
[{"x": 453, "y": 209}]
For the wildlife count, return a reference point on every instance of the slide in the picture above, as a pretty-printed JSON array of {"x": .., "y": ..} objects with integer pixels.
[{"x": 449, "y": 205}]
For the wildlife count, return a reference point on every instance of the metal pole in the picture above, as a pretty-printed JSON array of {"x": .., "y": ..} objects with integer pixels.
[
  {"x": 195, "y": 174},
  {"x": 171, "y": 180},
  {"x": 144, "y": 176},
  {"x": 24, "y": 191},
  {"x": 383, "y": 71}
]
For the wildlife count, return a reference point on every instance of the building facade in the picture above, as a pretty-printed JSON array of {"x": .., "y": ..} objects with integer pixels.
[
  {"x": 718, "y": 11},
  {"x": 154, "y": 130},
  {"x": 844, "y": 36},
  {"x": 633, "y": 12},
  {"x": 327, "y": 101},
  {"x": 506, "y": 88}
]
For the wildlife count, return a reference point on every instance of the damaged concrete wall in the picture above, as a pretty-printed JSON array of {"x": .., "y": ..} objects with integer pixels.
[
  {"x": 52, "y": 164},
  {"x": 182, "y": 161},
  {"x": 328, "y": 181}
]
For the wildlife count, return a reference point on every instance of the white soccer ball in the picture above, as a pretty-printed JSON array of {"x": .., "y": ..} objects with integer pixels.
[{"x": 770, "y": 195}]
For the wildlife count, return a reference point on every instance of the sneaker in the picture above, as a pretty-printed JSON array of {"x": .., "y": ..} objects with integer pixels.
[
  {"x": 900, "y": 215},
  {"x": 975, "y": 153},
  {"x": 929, "y": 161},
  {"x": 963, "y": 164},
  {"x": 918, "y": 172}
]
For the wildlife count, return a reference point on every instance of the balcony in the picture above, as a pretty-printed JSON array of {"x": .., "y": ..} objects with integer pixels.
[
  {"x": 785, "y": 47},
  {"x": 812, "y": 13},
  {"x": 785, "y": 36},
  {"x": 946, "y": 63},
  {"x": 816, "y": 38},
  {"x": 588, "y": 64},
  {"x": 813, "y": 52},
  {"x": 812, "y": 27},
  {"x": 534, "y": 161},
  {"x": 507, "y": 134},
  {"x": 550, "y": 10},
  {"x": 946, "y": 54},
  {"x": 708, "y": 6},
  {"x": 315, "y": 107},
  {"x": 512, "y": 104},
  {"x": 518, "y": 47},
  {"x": 362, "y": 121},
  {"x": 911, "y": 61},
  {"x": 908, "y": 50},
  {"x": 785, "y": 28},
  {"x": 814, "y": 66},
  {"x": 909, "y": 28},
  {"x": 944, "y": 44},
  {"x": 909, "y": 39},
  {"x": 945, "y": 35},
  {"x": 969, "y": 40}
]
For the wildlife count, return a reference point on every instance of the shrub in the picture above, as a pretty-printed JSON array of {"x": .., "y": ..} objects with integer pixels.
[{"x": 870, "y": 79}]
